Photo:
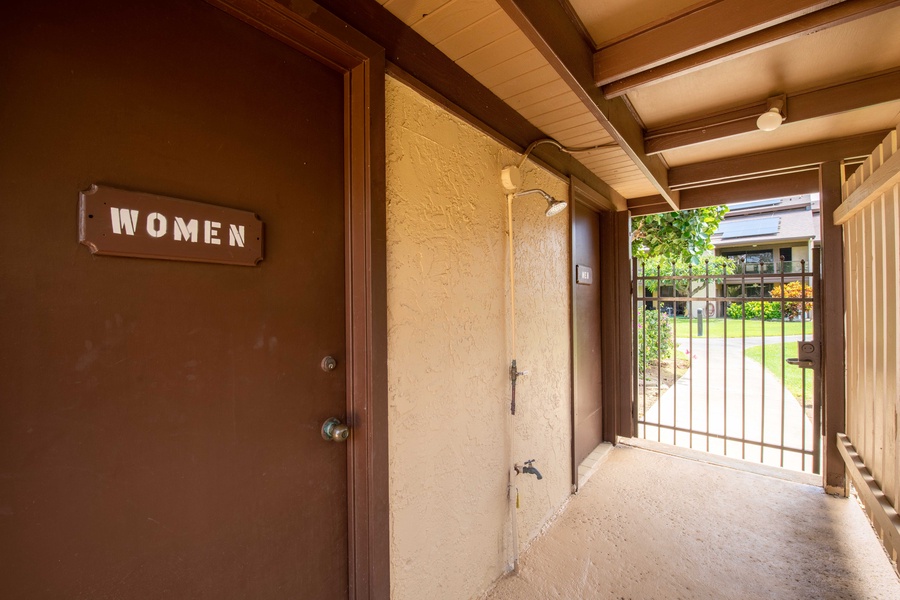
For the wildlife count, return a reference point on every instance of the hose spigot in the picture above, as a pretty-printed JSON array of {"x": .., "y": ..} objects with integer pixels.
[{"x": 531, "y": 470}]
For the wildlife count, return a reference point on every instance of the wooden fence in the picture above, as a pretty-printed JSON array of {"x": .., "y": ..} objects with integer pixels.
[{"x": 870, "y": 217}]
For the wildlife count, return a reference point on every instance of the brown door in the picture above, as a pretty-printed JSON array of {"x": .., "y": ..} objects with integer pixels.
[
  {"x": 160, "y": 420},
  {"x": 587, "y": 364}
]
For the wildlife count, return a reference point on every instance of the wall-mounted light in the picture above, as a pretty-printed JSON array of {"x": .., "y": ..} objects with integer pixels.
[
  {"x": 776, "y": 113},
  {"x": 511, "y": 178}
]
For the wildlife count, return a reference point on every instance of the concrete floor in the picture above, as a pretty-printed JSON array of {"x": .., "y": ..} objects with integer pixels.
[{"x": 653, "y": 526}]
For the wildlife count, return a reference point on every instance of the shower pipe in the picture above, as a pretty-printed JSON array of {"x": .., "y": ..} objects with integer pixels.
[
  {"x": 511, "y": 179},
  {"x": 560, "y": 147},
  {"x": 553, "y": 207}
]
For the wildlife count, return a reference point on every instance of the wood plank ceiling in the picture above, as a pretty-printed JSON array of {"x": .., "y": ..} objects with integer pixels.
[
  {"x": 673, "y": 88},
  {"x": 482, "y": 39}
]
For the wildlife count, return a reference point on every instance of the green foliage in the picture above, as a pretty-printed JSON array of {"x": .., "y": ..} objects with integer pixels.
[
  {"x": 734, "y": 311},
  {"x": 753, "y": 310},
  {"x": 772, "y": 308},
  {"x": 665, "y": 266},
  {"x": 682, "y": 235},
  {"x": 654, "y": 335},
  {"x": 772, "y": 311}
]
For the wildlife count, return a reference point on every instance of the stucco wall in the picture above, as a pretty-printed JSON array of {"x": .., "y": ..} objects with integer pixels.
[{"x": 449, "y": 351}]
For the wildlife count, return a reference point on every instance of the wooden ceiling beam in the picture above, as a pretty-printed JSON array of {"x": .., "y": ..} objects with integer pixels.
[
  {"x": 645, "y": 201},
  {"x": 845, "y": 12},
  {"x": 844, "y": 97},
  {"x": 648, "y": 205},
  {"x": 776, "y": 186},
  {"x": 549, "y": 27},
  {"x": 773, "y": 162},
  {"x": 696, "y": 29}
]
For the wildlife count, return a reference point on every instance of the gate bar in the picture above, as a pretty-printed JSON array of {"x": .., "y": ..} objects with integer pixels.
[{"x": 766, "y": 274}]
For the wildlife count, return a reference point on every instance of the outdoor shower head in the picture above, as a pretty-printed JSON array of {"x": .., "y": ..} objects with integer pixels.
[{"x": 554, "y": 206}]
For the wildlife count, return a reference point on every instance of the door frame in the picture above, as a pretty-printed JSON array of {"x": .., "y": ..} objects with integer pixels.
[{"x": 315, "y": 32}]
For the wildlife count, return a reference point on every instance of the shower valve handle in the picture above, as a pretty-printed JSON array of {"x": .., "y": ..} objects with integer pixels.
[{"x": 514, "y": 372}]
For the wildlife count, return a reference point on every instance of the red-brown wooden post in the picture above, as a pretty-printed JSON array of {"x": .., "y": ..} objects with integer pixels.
[{"x": 832, "y": 335}]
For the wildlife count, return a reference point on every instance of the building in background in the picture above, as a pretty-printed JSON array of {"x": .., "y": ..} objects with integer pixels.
[
  {"x": 770, "y": 231},
  {"x": 771, "y": 239}
]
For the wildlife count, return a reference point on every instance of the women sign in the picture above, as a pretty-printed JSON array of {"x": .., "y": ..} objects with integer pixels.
[{"x": 118, "y": 222}]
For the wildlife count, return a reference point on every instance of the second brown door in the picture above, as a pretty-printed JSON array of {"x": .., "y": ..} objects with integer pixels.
[{"x": 587, "y": 359}]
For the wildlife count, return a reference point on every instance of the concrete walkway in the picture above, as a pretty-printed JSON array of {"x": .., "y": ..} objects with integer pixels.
[
  {"x": 744, "y": 401},
  {"x": 650, "y": 526}
]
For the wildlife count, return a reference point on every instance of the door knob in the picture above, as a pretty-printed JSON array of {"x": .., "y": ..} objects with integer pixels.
[{"x": 335, "y": 431}]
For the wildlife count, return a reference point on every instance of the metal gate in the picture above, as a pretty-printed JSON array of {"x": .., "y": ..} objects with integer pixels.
[{"x": 725, "y": 359}]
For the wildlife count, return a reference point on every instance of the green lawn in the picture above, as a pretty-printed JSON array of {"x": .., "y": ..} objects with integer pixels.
[
  {"x": 753, "y": 328},
  {"x": 793, "y": 376}
]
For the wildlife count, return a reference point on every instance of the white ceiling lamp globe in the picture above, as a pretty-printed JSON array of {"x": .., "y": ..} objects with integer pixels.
[{"x": 770, "y": 120}]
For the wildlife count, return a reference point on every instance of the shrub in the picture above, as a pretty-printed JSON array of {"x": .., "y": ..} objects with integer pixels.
[
  {"x": 753, "y": 310},
  {"x": 654, "y": 335},
  {"x": 772, "y": 311},
  {"x": 793, "y": 289},
  {"x": 734, "y": 311}
]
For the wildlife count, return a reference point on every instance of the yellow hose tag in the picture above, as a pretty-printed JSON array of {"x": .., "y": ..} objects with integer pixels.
[{"x": 517, "y": 499}]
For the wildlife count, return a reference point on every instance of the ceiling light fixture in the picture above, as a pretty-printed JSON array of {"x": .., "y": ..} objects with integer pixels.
[{"x": 776, "y": 113}]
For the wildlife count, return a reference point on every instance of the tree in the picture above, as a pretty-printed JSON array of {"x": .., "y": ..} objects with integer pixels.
[
  {"x": 682, "y": 236},
  {"x": 677, "y": 245},
  {"x": 666, "y": 267}
]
